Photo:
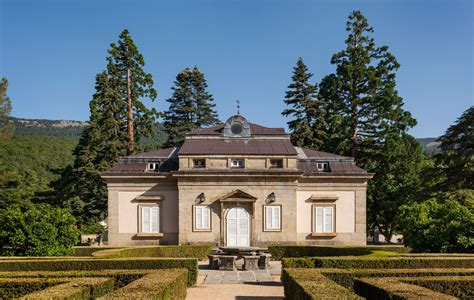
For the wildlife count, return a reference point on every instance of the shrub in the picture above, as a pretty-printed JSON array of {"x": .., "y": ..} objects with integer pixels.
[
  {"x": 280, "y": 251},
  {"x": 80, "y": 288},
  {"x": 69, "y": 264},
  {"x": 458, "y": 286},
  {"x": 18, "y": 287},
  {"x": 439, "y": 225},
  {"x": 392, "y": 288},
  {"x": 186, "y": 251},
  {"x": 87, "y": 250},
  {"x": 379, "y": 263},
  {"x": 307, "y": 284},
  {"x": 169, "y": 284},
  {"x": 37, "y": 231}
]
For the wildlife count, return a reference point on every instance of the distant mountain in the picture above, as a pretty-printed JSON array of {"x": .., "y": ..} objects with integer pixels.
[{"x": 429, "y": 144}]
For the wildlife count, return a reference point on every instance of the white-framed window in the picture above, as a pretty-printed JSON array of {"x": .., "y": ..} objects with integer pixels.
[
  {"x": 149, "y": 219},
  {"x": 272, "y": 214},
  {"x": 199, "y": 163},
  {"x": 202, "y": 218},
  {"x": 237, "y": 163},
  {"x": 153, "y": 166},
  {"x": 322, "y": 166},
  {"x": 324, "y": 217},
  {"x": 276, "y": 163}
]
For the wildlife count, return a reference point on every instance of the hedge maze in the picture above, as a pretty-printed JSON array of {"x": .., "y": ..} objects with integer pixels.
[
  {"x": 397, "y": 276},
  {"x": 148, "y": 276}
]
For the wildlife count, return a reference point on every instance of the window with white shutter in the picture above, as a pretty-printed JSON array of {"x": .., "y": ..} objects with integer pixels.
[
  {"x": 150, "y": 219},
  {"x": 202, "y": 218},
  {"x": 323, "y": 219},
  {"x": 272, "y": 217}
]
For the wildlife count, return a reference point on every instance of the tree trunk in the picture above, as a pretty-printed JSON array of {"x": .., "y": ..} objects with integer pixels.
[{"x": 131, "y": 132}]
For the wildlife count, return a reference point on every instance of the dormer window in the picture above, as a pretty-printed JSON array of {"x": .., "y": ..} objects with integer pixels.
[
  {"x": 276, "y": 163},
  {"x": 237, "y": 163},
  {"x": 199, "y": 163},
  {"x": 155, "y": 167},
  {"x": 322, "y": 166}
]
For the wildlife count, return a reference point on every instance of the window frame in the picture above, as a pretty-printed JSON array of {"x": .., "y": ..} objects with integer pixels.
[
  {"x": 237, "y": 167},
  {"x": 140, "y": 219},
  {"x": 325, "y": 167},
  {"x": 265, "y": 218},
  {"x": 279, "y": 166},
  {"x": 314, "y": 222},
  {"x": 156, "y": 166},
  {"x": 198, "y": 166},
  {"x": 195, "y": 229}
]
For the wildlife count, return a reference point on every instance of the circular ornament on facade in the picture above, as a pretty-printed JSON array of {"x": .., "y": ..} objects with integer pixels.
[{"x": 236, "y": 128}]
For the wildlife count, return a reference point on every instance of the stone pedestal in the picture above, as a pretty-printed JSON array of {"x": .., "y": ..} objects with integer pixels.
[
  {"x": 250, "y": 262},
  {"x": 264, "y": 261},
  {"x": 213, "y": 262},
  {"x": 227, "y": 262}
]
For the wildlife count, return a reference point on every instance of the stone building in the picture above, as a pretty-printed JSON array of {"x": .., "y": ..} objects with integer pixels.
[{"x": 236, "y": 184}]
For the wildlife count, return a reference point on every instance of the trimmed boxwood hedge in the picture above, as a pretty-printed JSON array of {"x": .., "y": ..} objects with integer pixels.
[
  {"x": 185, "y": 251},
  {"x": 14, "y": 288},
  {"x": 392, "y": 288},
  {"x": 160, "y": 284},
  {"x": 307, "y": 284},
  {"x": 378, "y": 262},
  {"x": 459, "y": 286},
  {"x": 88, "y": 250},
  {"x": 79, "y": 288},
  {"x": 280, "y": 251},
  {"x": 102, "y": 264}
]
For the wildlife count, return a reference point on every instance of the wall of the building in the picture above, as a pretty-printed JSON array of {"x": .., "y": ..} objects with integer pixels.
[{"x": 123, "y": 214}]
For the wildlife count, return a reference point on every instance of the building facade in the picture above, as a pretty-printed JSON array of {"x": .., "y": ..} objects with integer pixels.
[{"x": 236, "y": 184}]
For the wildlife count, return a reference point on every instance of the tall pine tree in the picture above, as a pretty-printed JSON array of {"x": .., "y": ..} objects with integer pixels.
[
  {"x": 6, "y": 126},
  {"x": 308, "y": 124},
  {"x": 134, "y": 83},
  {"x": 363, "y": 102},
  {"x": 191, "y": 106}
]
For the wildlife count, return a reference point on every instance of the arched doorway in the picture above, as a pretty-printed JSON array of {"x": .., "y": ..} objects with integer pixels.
[{"x": 238, "y": 227}]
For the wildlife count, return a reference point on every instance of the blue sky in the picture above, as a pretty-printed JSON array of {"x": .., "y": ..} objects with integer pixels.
[{"x": 51, "y": 51}]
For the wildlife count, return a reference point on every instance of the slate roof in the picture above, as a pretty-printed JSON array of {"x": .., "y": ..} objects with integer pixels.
[
  {"x": 237, "y": 147},
  {"x": 255, "y": 129}
]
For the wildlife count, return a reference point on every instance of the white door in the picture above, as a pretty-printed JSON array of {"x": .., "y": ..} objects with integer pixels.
[{"x": 238, "y": 227}]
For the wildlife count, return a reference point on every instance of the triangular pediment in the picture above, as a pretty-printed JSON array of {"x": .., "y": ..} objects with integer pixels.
[{"x": 237, "y": 195}]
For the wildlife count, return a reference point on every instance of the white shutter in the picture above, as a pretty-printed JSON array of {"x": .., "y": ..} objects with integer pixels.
[
  {"x": 319, "y": 215},
  {"x": 155, "y": 219},
  {"x": 145, "y": 219},
  {"x": 205, "y": 218},
  {"x": 276, "y": 217},
  {"x": 198, "y": 216},
  {"x": 328, "y": 219},
  {"x": 268, "y": 217}
]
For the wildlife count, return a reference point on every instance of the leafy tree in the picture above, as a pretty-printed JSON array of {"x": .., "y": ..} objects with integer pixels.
[
  {"x": 37, "y": 231},
  {"x": 456, "y": 158},
  {"x": 442, "y": 224},
  {"x": 6, "y": 126},
  {"x": 363, "y": 102},
  {"x": 396, "y": 181},
  {"x": 191, "y": 106},
  {"x": 125, "y": 65},
  {"x": 307, "y": 126}
]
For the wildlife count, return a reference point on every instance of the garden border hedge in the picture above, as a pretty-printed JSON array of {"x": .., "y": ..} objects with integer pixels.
[
  {"x": 18, "y": 287},
  {"x": 183, "y": 251},
  {"x": 280, "y": 251},
  {"x": 458, "y": 286},
  {"x": 103, "y": 264}
]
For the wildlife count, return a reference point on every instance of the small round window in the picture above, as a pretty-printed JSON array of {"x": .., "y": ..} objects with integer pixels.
[{"x": 236, "y": 128}]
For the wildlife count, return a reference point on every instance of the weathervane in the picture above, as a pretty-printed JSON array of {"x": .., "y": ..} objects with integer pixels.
[{"x": 238, "y": 106}]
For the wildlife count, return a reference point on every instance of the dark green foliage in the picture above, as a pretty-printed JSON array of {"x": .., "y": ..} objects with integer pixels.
[
  {"x": 456, "y": 158},
  {"x": 69, "y": 264},
  {"x": 37, "y": 231},
  {"x": 307, "y": 284},
  {"x": 43, "y": 127},
  {"x": 379, "y": 263},
  {"x": 131, "y": 84},
  {"x": 7, "y": 127},
  {"x": 442, "y": 224},
  {"x": 397, "y": 181},
  {"x": 191, "y": 106},
  {"x": 186, "y": 251},
  {"x": 79, "y": 288},
  {"x": 169, "y": 284},
  {"x": 460, "y": 286},
  {"x": 87, "y": 250},
  {"x": 281, "y": 251},
  {"x": 28, "y": 164},
  {"x": 307, "y": 125},
  {"x": 10, "y": 289}
]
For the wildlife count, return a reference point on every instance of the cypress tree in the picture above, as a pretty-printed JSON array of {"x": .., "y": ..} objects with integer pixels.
[
  {"x": 126, "y": 63},
  {"x": 191, "y": 106},
  {"x": 6, "y": 126},
  {"x": 363, "y": 102},
  {"x": 301, "y": 101}
]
